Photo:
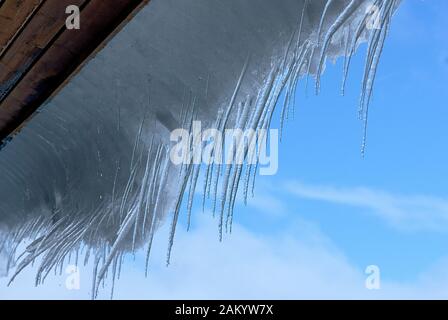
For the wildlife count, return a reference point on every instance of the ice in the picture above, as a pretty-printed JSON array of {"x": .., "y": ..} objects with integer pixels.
[{"x": 90, "y": 173}]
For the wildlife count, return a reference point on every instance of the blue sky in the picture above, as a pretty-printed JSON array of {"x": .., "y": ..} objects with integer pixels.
[
  {"x": 313, "y": 228},
  {"x": 405, "y": 153}
]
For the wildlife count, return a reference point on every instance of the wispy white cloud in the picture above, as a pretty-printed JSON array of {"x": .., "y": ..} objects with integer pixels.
[
  {"x": 266, "y": 201},
  {"x": 407, "y": 212},
  {"x": 245, "y": 265},
  {"x": 296, "y": 262},
  {"x": 300, "y": 263}
]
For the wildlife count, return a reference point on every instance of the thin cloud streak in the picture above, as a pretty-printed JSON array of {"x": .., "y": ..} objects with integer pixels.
[{"x": 406, "y": 212}]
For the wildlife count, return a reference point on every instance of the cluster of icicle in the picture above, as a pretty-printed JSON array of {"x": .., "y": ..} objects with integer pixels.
[{"x": 128, "y": 216}]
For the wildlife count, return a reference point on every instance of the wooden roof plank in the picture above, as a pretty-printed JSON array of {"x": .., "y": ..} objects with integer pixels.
[
  {"x": 14, "y": 16},
  {"x": 44, "y": 27},
  {"x": 63, "y": 56}
]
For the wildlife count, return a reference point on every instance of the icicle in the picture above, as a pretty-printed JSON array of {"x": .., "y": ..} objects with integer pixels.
[
  {"x": 127, "y": 191},
  {"x": 371, "y": 50},
  {"x": 114, "y": 270},
  {"x": 235, "y": 92},
  {"x": 372, "y": 75},
  {"x": 291, "y": 77},
  {"x": 176, "y": 214},
  {"x": 164, "y": 175},
  {"x": 305, "y": 6},
  {"x": 215, "y": 188},
  {"x": 308, "y": 71},
  {"x": 361, "y": 27},
  {"x": 235, "y": 184},
  {"x": 144, "y": 188},
  {"x": 95, "y": 268},
  {"x": 346, "y": 57},
  {"x": 240, "y": 156},
  {"x": 353, "y": 5},
  {"x": 322, "y": 19},
  {"x": 210, "y": 166},
  {"x": 224, "y": 191},
  {"x": 193, "y": 181},
  {"x": 127, "y": 224}
]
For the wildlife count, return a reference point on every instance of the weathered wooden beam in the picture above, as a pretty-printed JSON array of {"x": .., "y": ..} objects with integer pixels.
[
  {"x": 46, "y": 25},
  {"x": 14, "y": 16},
  {"x": 46, "y": 54}
]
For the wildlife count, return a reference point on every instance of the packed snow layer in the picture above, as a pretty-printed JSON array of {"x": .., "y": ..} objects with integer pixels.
[{"x": 90, "y": 173}]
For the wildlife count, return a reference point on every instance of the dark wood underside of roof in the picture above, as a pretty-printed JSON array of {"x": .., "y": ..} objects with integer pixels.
[{"x": 38, "y": 54}]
